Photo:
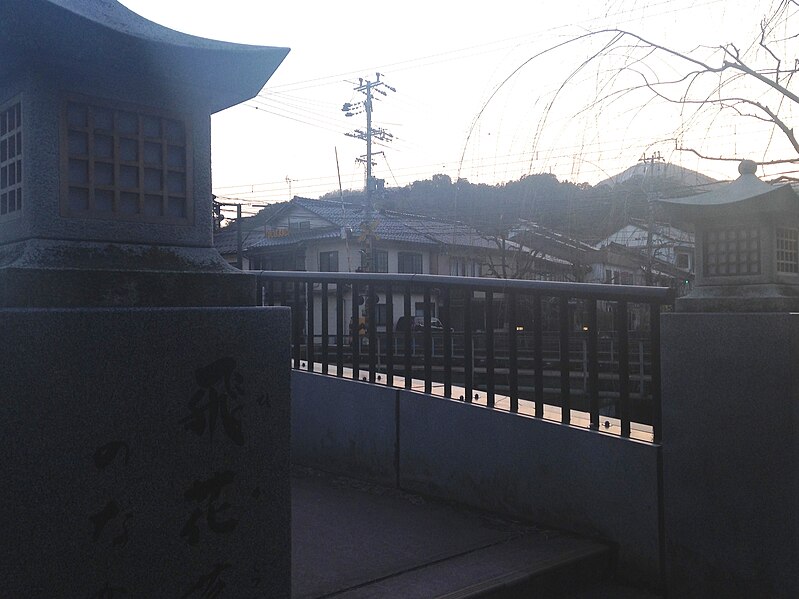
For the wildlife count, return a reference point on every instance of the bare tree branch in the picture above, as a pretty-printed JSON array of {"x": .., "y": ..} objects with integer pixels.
[{"x": 734, "y": 158}]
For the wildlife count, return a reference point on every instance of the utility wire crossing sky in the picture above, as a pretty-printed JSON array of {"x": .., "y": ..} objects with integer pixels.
[{"x": 489, "y": 94}]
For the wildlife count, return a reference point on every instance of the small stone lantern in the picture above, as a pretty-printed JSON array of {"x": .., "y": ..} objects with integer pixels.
[{"x": 747, "y": 244}]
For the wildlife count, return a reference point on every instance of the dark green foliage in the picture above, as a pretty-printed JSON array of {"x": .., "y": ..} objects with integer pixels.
[{"x": 579, "y": 210}]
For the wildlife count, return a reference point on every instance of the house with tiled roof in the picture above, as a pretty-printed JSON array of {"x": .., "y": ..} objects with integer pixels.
[
  {"x": 332, "y": 236},
  {"x": 244, "y": 231},
  {"x": 324, "y": 235},
  {"x": 633, "y": 255}
]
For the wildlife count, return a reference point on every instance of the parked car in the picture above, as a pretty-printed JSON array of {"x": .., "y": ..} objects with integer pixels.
[{"x": 417, "y": 324}]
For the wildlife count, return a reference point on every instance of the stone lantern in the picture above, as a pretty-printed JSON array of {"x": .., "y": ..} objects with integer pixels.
[
  {"x": 146, "y": 412},
  {"x": 747, "y": 246},
  {"x": 105, "y": 156}
]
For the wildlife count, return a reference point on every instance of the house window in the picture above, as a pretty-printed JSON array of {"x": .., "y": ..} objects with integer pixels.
[
  {"x": 124, "y": 164},
  {"x": 328, "y": 261},
  {"x": 732, "y": 251},
  {"x": 10, "y": 160},
  {"x": 626, "y": 278},
  {"x": 461, "y": 267},
  {"x": 379, "y": 261},
  {"x": 787, "y": 250},
  {"x": 381, "y": 315},
  {"x": 682, "y": 260},
  {"x": 409, "y": 262},
  {"x": 299, "y": 225}
]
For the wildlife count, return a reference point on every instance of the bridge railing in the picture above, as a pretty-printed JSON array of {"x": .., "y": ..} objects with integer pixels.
[{"x": 583, "y": 350}]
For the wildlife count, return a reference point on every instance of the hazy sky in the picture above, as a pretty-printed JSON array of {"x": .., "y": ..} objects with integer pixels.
[{"x": 445, "y": 59}]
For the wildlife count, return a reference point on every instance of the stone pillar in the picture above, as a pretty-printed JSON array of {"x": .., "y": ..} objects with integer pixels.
[
  {"x": 731, "y": 454},
  {"x": 731, "y": 398}
]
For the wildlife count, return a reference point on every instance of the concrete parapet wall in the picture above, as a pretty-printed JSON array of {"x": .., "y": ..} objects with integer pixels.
[
  {"x": 145, "y": 452},
  {"x": 731, "y": 454},
  {"x": 588, "y": 482},
  {"x": 579, "y": 480},
  {"x": 340, "y": 425}
]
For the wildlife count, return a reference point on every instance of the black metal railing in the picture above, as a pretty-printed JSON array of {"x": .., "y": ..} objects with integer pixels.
[{"x": 581, "y": 348}]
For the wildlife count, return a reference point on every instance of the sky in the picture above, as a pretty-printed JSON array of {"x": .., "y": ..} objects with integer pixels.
[{"x": 489, "y": 94}]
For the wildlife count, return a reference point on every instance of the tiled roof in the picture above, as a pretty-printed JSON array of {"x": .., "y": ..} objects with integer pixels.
[
  {"x": 298, "y": 237},
  {"x": 449, "y": 233},
  {"x": 636, "y": 236},
  {"x": 390, "y": 226},
  {"x": 342, "y": 214},
  {"x": 226, "y": 239}
]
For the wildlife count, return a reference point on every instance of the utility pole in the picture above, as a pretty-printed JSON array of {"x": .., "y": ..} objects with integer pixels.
[
  {"x": 650, "y": 196},
  {"x": 239, "y": 227},
  {"x": 368, "y": 89},
  {"x": 289, "y": 181}
]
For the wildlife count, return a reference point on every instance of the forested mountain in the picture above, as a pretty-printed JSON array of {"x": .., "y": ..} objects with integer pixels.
[{"x": 581, "y": 211}]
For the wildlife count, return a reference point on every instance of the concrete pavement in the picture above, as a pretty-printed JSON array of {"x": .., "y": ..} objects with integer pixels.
[{"x": 353, "y": 539}]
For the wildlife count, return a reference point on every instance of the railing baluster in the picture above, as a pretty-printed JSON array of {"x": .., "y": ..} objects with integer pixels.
[
  {"x": 408, "y": 322},
  {"x": 538, "y": 355},
  {"x": 389, "y": 335},
  {"x": 565, "y": 382},
  {"x": 428, "y": 342},
  {"x": 355, "y": 333},
  {"x": 468, "y": 349},
  {"x": 513, "y": 357},
  {"x": 446, "y": 318},
  {"x": 371, "y": 330},
  {"x": 283, "y": 294},
  {"x": 657, "y": 410},
  {"x": 270, "y": 287},
  {"x": 593, "y": 364},
  {"x": 325, "y": 328},
  {"x": 339, "y": 328},
  {"x": 490, "y": 356},
  {"x": 624, "y": 369},
  {"x": 309, "y": 325}
]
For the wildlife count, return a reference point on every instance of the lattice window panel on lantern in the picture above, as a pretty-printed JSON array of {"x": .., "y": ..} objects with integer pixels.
[
  {"x": 787, "y": 250},
  {"x": 125, "y": 164},
  {"x": 10, "y": 160},
  {"x": 732, "y": 251}
]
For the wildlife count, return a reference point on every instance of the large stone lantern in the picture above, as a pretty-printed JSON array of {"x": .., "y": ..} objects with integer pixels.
[
  {"x": 747, "y": 244},
  {"x": 145, "y": 418},
  {"x": 105, "y": 156}
]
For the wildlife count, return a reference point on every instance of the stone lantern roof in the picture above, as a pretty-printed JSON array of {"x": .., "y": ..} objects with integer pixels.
[
  {"x": 747, "y": 194},
  {"x": 87, "y": 39}
]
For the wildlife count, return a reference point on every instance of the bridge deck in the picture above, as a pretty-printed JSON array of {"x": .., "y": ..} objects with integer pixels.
[{"x": 353, "y": 539}]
